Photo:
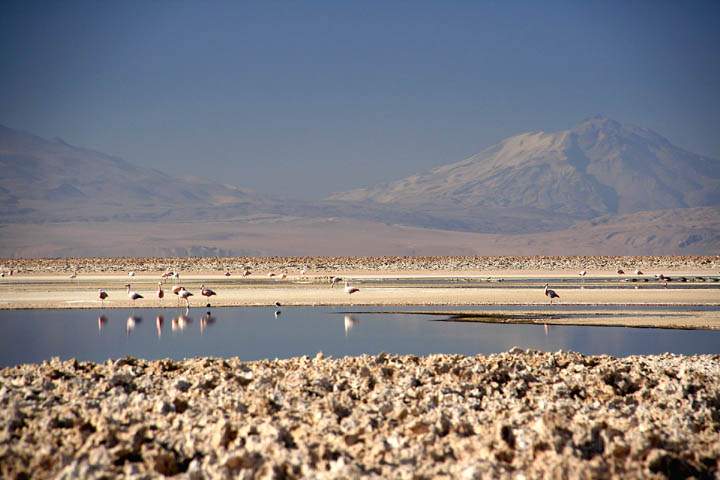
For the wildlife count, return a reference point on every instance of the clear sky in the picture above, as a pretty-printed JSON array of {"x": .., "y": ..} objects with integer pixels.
[{"x": 307, "y": 98}]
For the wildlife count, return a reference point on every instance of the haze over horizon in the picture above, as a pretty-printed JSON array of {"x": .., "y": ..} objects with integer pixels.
[{"x": 305, "y": 100}]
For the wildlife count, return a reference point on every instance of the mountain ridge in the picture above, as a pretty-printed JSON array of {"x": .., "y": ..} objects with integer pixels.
[{"x": 598, "y": 167}]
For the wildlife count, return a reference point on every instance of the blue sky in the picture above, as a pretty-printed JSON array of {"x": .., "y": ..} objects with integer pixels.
[{"x": 307, "y": 98}]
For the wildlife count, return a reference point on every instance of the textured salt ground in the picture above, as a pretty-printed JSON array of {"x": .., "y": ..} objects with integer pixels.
[
  {"x": 334, "y": 265},
  {"x": 513, "y": 415}
]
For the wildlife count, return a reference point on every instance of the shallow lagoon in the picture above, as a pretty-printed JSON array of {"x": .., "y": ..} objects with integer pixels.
[{"x": 255, "y": 333}]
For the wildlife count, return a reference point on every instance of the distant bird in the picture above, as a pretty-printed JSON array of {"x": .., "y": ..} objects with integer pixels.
[
  {"x": 271, "y": 274},
  {"x": 583, "y": 273},
  {"x": 227, "y": 274},
  {"x": 73, "y": 276},
  {"x": 102, "y": 294},
  {"x": 303, "y": 272},
  {"x": 247, "y": 272},
  {"x": 349, "y": 289},
  {"x": 206, "y": 292},
  {"x": 166, "y": 275},
  {"x": 278, "y": 304},
  {"x": 550, "y": 293},
  {"x": 2, "y": 274},
  {"x": 176, "y": 275},
  {"x": 638, "y": 272},
  {"x": 176, "y": 291},
  {"x": 185, "y": 294},
  {"x": 132, "y": 295},
  {"x": 160, "y": 292},
  {"x": 334, "y": 281},
  {"x": 283, "y": 276},
  {"x": 620, "y": 271},
  {"x": 131, "y": 274}
]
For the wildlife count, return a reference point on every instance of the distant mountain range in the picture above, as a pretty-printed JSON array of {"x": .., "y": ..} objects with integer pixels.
[
  {"x": 599, "y": 167},
  {"x": 597, "y": 183}
]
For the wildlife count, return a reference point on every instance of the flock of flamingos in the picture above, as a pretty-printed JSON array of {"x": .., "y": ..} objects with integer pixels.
[{"x": 185, "y": 294}]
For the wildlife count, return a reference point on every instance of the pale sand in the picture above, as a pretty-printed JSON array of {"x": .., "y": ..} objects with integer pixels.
[{"x": 55, "y": 291}]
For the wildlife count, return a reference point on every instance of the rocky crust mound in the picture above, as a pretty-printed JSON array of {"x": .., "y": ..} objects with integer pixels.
[{"x": 521, "y": 414}]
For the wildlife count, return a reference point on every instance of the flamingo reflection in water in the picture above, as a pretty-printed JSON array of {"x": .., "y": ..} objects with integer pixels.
[
  {"x": 350, "y": 323},
  {"x": 132, "y": 321},
  {"x": 180, "y": 322},
  {"x": 205, "y": 321},
  {"x": 159, "y": 321},
  {"x": 102, "y": 320}
]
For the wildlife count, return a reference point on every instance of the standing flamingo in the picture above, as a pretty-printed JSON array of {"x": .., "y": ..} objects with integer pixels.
[
  {"x": 550, "y": 293},
  {"x": 132, "y": 295},
  {"x": 349, "y": 289},
  {"x": 176, "y": 291},
  {"x": 102, "y": 294},
  {"x": 206, "y": 292},
  {"x": 185, "y": 294}
]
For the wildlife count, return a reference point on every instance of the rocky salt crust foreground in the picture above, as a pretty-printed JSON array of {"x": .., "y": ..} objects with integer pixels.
[{"x": 515, "y": 415}]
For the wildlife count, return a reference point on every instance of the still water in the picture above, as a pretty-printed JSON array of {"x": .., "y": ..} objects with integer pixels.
[{"x": 256, "y": 333}]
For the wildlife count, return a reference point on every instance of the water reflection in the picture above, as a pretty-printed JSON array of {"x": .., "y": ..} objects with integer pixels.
[
  {"x": 102, "y": 320},
  {"x": 206, "y": 320},
  {"x": 159, "y": 321},
  {"x": 181, "y": 322},
  {"x": 131, "y": 322},
  {"x": 36, "y": 335},
  {"x": 350, "y": 322}
]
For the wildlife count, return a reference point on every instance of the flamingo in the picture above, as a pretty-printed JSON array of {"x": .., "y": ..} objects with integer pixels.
[
  {"x": 131, "y": 274},
  {"x": 620, "y": 271},
  {"x": 176, "y": 291},
  {"x": 102, "y": 294},
  {"x": 227, "y": 274},
  {"x": 206, "y": 292},
  {"x": 350, "y": 289},
  {"x": 132, "y": 295},
  {"x": 638, "y": 272},
  {"x": 550, "y": 293},
  {"x": 183, "y": 293},
  {"x": 247, "y": 272},
  {"x": 334, "y": 281},
  {"x": 160, "y": 292},
  {"x": 583, "y": 273}
]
